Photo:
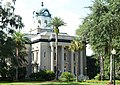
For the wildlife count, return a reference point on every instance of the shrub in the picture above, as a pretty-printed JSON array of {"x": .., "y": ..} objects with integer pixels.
[
  {"x": 67, "y": 76},
  {"x": 21, "y": 73},
  {"x": 36, "y": 76},
  {"x": 97, "y": 77},
  {"x": 50, "y": 75},
  {"x": 43, "y": 75}
]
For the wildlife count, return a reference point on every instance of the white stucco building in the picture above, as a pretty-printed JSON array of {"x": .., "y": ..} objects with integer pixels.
[{"x": 42, "y": 48}]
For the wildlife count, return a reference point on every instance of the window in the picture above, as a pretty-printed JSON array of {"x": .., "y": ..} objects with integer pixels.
[
  {"x": 37, "y": 68},
  {"x": 64, "y": 68},
  {"x": 54, "y": 56},
  {"x": 33, "y": 56},
  {"x": 44, "y": 54},
  {"x": 44, "y": 67},
  {"x": 45, "y": 22},
  {"x": 36, "y": 56},
  {"x": 65, "y": 57},
  {"x": 32, "y": 69},
  {"x": 74, "y": 57},
  {"x": 74, "y": 70},
  {"x": 39, "y": 21}
]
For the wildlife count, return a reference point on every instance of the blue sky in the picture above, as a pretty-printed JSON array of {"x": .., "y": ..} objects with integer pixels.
[{"x": 71, "y": 11}]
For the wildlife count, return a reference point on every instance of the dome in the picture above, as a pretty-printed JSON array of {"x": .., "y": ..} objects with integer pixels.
[{"x": 43, "y": 12}]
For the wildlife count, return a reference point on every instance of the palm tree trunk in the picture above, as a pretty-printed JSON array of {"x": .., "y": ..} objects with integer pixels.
[
  {"x": 17, "y": 54},
  {"x": 111, "y": 69},
  {"x": 56, "y": 56},
  {"x": 77, "y": 67},
  {"x": 16, "y": 73}
]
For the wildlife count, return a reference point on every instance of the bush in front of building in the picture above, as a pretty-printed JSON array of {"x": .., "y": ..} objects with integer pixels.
[
  {"x": 10, "y": 74},
  {"x": 97, "y": 77},
  {"x": 43, "y": 75},
  {"x": 50, "y": 75},
  {"x": 67, "y": 76}
]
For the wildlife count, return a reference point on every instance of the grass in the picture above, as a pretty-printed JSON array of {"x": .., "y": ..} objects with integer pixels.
[
  {"x": 48, "y": 83},
  {"x": 89, "y": 82}
]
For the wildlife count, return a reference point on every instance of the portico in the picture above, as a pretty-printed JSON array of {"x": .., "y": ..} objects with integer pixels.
[{"x": 66, "y": 59}]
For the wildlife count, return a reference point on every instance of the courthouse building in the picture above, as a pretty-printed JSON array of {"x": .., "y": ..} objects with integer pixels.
[{"x": 42, "y": 48}]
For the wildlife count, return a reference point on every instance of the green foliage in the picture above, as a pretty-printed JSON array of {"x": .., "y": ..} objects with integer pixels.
[
  {"x": 9, "y": 24},
  {"x": 76, "y": 45},
  {"x": 56, "y": 22},
  {"x": 56, "y": 30},
  {"x": 106, "y": 67},
  {"x": 21, "y": 73},
  {"x": 97, "y": 77},
  {"x": 9, "y": 21},
  {"x": 67, "y": 76},
  {"x": 3, "y": 66},
  {"x": 92, "y": 67},
  {"x": 88, "y": 82},
  {"x": 101, "y": 29},
  {"x": 20, "y": 40},
  {"x": 50, "y": 75},
  {"x": 43, "y": 75}
]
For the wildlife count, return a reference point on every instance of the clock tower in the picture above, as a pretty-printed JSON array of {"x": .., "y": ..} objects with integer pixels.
[{"x": 41, "y": 19}]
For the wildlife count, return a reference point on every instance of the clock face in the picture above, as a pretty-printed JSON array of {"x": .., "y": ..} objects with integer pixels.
[{"x": 46, "y": 13}]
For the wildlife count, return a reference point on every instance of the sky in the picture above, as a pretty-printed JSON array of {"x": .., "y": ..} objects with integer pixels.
[{"x": 71, "y": 11}]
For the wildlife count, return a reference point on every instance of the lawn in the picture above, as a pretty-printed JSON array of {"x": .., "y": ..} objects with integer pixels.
[
  {"x": 88, "y": 82},
  {"x": 51, "y": 83}
]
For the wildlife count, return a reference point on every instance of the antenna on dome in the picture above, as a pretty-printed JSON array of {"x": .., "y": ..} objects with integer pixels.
[{"x": 42, "y": 4}]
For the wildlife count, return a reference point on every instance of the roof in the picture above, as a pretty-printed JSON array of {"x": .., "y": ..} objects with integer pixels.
[{"x": 41, "y": 12}]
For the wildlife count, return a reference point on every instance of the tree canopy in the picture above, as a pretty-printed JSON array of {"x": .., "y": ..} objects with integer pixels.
[
  {"x": 101, "y": 28},
  {"x": 10, "y": 24},
  {"x": 57, "y": 22}
]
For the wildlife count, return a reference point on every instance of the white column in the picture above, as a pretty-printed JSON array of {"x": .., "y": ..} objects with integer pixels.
[
  {"x": 52, "y": 58},
  {"x": 81, "y": 63},
  {"x": 72, "y": 63},
  {"x": 62, "y": 59},
  {"x": 40, "y": 57}
]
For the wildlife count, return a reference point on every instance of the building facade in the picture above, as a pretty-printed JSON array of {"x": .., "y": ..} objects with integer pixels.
[{"x": 42, "y": 48}]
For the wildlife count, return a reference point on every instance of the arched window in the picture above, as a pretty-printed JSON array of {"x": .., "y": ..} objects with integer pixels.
[
  {"x": 39, "y": 22},
  {"x": 45, "y": 22}
]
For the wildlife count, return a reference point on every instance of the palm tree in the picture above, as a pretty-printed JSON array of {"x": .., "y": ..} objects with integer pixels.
[
  {"x": 56, "y": 23},
  {"x": 19, "y": 41},
  {"x": 75, "y": 46}
]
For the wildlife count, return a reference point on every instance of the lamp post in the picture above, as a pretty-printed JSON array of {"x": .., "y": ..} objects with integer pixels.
[{"x": 113, "y": 53}]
